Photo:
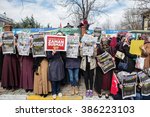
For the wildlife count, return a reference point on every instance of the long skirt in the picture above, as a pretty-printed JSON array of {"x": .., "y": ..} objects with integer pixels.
[
  {"x": 26, "y": 76},
  {"x": 10, "y": 72},
  {"x": 1, "y": 63},
  {"x": 102, "y": 81},
  {"x": 41, "y": 83}
]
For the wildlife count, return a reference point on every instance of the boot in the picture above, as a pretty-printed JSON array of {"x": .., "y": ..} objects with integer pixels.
[
  {"x": 72, "y": 90},
  {"x": 76, "y": 90}
]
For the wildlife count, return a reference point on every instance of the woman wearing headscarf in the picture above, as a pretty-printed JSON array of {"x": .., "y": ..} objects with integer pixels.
[
  {"x": 55, "y": 72},
  {"x": 146, "y": 54},
  {"x": 26, "y": 70},
  {"x": 129, "y": 58},
  {"x": 42, "y": 85},
  {"x": 113, "y": 44},
  {"x": 10, "y": 71},
  {"x": 88, "y": 64},
  {"x": 103, "y": 81}
]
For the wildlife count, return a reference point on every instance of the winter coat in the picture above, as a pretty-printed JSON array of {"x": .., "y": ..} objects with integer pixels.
[
  {"x": 130, "y": 59},
  {"x": 56, "y": 67},
  {"x": 92, "y": 60},
  {"x": 146, "y": 55}
]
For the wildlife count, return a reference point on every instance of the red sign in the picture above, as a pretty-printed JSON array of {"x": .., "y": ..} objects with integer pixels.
[{"x": 53, "y": 42}]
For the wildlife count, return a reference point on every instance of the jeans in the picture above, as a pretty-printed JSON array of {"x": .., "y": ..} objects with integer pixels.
[
  {"x": 55, "y": 87},
  {"x": 74, "y": 76}
]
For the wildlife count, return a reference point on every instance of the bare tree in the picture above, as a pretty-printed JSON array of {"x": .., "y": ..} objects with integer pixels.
[
  {"x": 84, "y": 9},
  {"x": 142, "y": 5},
  {"x": 132, "y": 19}
]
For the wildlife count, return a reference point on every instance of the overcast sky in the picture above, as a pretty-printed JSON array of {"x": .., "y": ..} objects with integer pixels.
[{"x": 47, "y": 11}]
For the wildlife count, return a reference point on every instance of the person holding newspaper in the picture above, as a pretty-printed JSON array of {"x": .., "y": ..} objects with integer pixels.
[
  {"x": 55, "y": 71},
  {"x": 88, "y": 64},
  {"x": 103, "y": 80}
]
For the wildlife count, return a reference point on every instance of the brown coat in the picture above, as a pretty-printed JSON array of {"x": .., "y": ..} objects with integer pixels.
[
  {"x": 41, "y": 83},
  {"x": 146, "y": 54}
]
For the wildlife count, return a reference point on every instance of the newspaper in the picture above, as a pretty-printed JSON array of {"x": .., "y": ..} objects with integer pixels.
[
  {"x": 23, "y": 44},
  {"x": 129, "y": 85},
  {"x": 88, "y": 42},
  {"x": 8, "y": 46},
  {"x": 38, "y": 49},
  {"x": 145, "y": 80},
  {"x": 72, "y": 46},
  {"x": 106, "y": 62}
]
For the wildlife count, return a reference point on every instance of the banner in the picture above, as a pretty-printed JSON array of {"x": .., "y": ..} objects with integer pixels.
[
  {"x": 106, "y": 62},
  {"x": 88, "y": 42},
  {"x": 38, "y": 46},
  {"x": 145, "y": 80},
  {"x": 72, "y": 46},
  {"x": 135, "y": 47},
  {"x": 66, "y": 31},
  {"x": 53, "y": 42},
  {"x": 129, "y": 86},
  {"x": 8, "y": 46},
  {"x": 23, "y": 44}
]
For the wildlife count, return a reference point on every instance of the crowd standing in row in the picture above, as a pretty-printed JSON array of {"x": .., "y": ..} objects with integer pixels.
[{"x": 45, "y": 74}]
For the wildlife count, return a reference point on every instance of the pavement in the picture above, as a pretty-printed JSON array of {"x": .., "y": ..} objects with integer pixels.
[{"x": 21, "y": 94}]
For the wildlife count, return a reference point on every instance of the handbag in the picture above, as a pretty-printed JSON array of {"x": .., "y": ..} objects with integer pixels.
[
  {"x": 139, "y": 63},
  {"x": 123, "y": 64},
  {"x": 120, "y": 55}
]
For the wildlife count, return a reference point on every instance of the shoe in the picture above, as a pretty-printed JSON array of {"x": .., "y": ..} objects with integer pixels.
[
  {"x": 91, "y": 93},
  {"x": 87, "y": 93},
  {"x": 99, "y": 95},
  {"x": 45, "y": 95},
  {"x": 106, "y": 96},
  {"x": 76, "y": 90},
  {"x": 60, "y": 94},
  {"x": 54, "y": 96},
  {"x": 41, "y": 95},
  {"x": 72, "y": 90}
]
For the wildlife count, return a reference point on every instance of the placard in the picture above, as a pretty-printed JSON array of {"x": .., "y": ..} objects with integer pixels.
[
  {"x": 135, "y": 47},
  {"x": 8, "y": 46},
  {"x": 72, "y": 46},
  {"x": 38, "y": 46},
  {"x": 54, "y": 42},
  {"x": 106, "y": 62},
  {"x": 23, "y": 44}
]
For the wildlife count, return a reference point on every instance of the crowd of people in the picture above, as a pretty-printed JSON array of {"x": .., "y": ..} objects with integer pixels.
[{"x": 44, "y": 75}]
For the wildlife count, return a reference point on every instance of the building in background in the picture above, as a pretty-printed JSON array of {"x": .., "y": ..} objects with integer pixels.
[
  {"x": 4, "y": 20},
  {"x": 146, "y": 20}
]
